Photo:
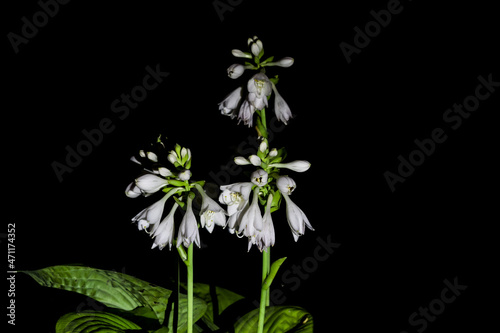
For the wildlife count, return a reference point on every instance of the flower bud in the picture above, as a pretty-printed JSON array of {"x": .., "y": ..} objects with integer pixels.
[
  {"x": 240, "y": 160},
  {"x": 150, "y": 183},
  {"x": 235, "y": 71},
  {"x": 240, "y": 54},
  {"x": 263, "y": 146},
  {"x": 297, "y": 166},
  {"x": 255, "y": 45},
  {"x": 286, "y": 185},
  {"x": 273, "y": 152},
  {"x": 259, "y": 177},
  {"x": 255, "y": 160}
]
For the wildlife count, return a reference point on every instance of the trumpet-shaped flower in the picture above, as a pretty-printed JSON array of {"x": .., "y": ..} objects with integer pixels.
[
  {"x": 188, "y": 230},
  {"x": 297, "y": 220},
  {"x": 230, "y": 103},
  {"x": 235, "y": 196},
  {"x": 210, "y": 213},
  {"x": 163, "y": 234},
  {"x": 151, "y": 215},
  {"x": 251, "y": 221},
  {"x": 246, "y": 112},
  {"x": 259, "y": 88},
  {"x": 265, "y": 238},
  {"x": 281, "y": 108}
]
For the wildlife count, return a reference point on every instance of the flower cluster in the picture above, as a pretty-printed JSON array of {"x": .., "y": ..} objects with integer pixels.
[
  {"x": 173, "y": 181},
  {"x": 267, "y": 187},
  {"x": 259, "y": 87}
]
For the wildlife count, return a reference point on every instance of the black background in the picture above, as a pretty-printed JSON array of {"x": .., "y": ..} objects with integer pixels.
[{"x": 352, "y": 121}]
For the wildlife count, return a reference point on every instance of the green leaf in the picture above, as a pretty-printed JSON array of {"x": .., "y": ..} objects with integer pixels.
[
  {"x": 267, "y": 60},
  {"x": 278, "y": 319},
  {"x": 199, "y": 309},
  {"x": 93, "y": 322},
  {"x": 224, "y": 299},
  {"x": 272, "y": 273},
  {"x": 275, "y": 205},
  {"x": 113, "y": 289}
]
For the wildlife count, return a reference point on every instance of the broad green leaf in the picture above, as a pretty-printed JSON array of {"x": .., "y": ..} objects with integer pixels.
[
  {"x": 93, "y": 322},
  {"x": 113, "y": 289},
  {"x": 199, "y": 309},
  {"x": 224, "y": 299},
  {"x": 278, "y": 319}
]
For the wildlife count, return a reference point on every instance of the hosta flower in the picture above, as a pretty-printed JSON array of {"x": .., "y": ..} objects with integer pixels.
[
  {"x": 297, "y": 220},
  {"x": 210, "y": 213},
  {"x": 188, "y": 230},
  {"x": 132, "y": 191},
  {"x": 240, "y": 54},
  {"x": 246, "y": 113},
  {"x": 150, "y": 183},
  {"x": 236, "y": 197},
  {"x": 251, "y": 221},
  {"x": 255, "y": 45},
  {"x": 281, "y": 109},
  {"x": 297, "y": 166},
  {"x": 265, "y": 238},
  {"x": 235, "y": 71},
  {"x": 259, "y": 88},
  {"x": 151, "y": 215},
  {"x": 259, "y": 177},
  {"x": 284, "y": 62},
  {"x": 286, "y": 185},
  {"x": 230, "y": 103},
  {"x": 163, "y": 234}
]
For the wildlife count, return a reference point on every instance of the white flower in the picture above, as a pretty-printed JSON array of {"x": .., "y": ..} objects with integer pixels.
[
  {"x": 266, "y": 238},
  {"x": 255, "y": 160},
  {"x": 151, "y": 215},
  {"x": 259, "y": 88},
  {"x": 297, "y": 166},
  {"x": 188, "y": 230},
  {"x": 247, "y": 110},
  {"x": 240, "y": 160},
  {"x": 251, "y": 221},
  {"x": 297, "y": 220},
  {"x": 132, "y": 191},
  {"x": 255, "y": 45},
  {"x": 210, "y": 213},
  {"x": 236, "y": 197},
  {"x": 284, "y": 62},
  {"x": 286, "y": 185},
  {"x": 259, "y": 177},
  {"x": 150, "y": 183},
  {"x": 163, "y": 234},
  {"x": 240, "y": 54},
  {"x": 228, "y": 106},
  {"x": 235, "y": 71},
  {"x": 281, "y": 109}
]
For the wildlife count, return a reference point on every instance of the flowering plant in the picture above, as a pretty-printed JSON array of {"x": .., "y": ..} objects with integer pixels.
[{"x": 249, "y": 205}]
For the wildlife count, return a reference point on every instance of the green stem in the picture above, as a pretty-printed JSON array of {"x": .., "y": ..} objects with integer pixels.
[
  {"x": 264, "y": 292},
  {"x": 190, "y": 288}
]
